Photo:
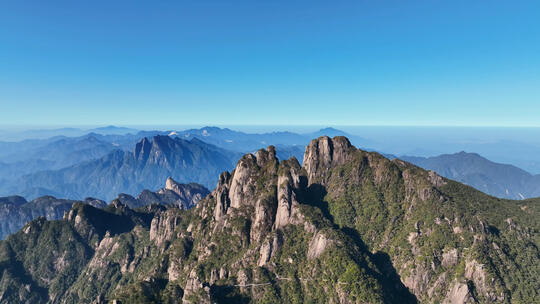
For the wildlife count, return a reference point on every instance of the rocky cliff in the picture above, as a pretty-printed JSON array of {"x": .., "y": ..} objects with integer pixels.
[{"x": 347, "y": 227}]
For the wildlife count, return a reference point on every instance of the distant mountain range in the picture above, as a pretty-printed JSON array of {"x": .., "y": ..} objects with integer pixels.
[
  {"x": 15, "y": 211},
  {"x": 246, "y": 142},
  {"x": 61, "y": 165},
  {"x": 12, "y": 135},
  {"x": 500, "y": 180},
  {"x": 33, "y": 155},
  {"x": 151, "y": 162},
  {"x": 29, "y": 156}
]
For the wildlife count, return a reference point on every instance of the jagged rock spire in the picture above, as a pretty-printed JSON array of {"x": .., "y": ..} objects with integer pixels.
[{"x": 323, "y": 153}]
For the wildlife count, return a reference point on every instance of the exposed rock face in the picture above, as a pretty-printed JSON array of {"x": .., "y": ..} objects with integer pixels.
[
  {"x": 163, "y": 227},
  {"x": 243, "y": 182},
  {"x": 459, "y": 294},
  {"x": 317, "y": 246},
  {"x": 265, "y": 254},
  {"x": 191, "y": 292},
  {"x": 450, "y": 258},
  {"x": 142, "y": 149},
  {"x": 222, "y": 196},
  {"x": 288, "y": 182},
  {"x": 476, "y": 273},
  {"x": 183, "y": 196},
  {"x": 324, "y": 153},
  {"x": 348, "y": 227}
]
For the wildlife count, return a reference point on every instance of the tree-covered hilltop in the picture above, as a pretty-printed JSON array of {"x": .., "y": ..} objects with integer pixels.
[{"x": 347, "y": 226}]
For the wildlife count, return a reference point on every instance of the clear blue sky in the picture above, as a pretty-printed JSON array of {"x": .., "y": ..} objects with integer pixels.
[{"x": 270, "y": 62}]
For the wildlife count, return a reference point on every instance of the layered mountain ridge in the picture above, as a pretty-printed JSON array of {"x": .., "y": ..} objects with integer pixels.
[
  {"x": 500, "y": 180},
  {"x": 348, "y": 226},
  {"x": 15, "y": 211},
  {"x": 150, "y": 163}
]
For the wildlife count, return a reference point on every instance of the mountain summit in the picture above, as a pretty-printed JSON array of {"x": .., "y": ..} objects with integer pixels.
[{"x": 348, "y": 226}]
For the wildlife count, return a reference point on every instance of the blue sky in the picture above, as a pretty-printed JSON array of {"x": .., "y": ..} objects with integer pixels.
[{"x": 467, "y": 63}]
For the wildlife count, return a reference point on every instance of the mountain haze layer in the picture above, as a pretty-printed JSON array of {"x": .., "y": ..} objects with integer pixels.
[
  {"x": 151, "y": 162},
  {"x": 38, "y": 167},
  {"x": 500, "y": 180}
]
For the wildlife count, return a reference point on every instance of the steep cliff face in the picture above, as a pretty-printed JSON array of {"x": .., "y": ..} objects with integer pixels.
[{"x": 347, "y": 227}]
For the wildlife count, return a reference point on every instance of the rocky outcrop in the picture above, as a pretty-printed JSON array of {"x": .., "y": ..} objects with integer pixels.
[
  {"x": 221, "y": 193},
  {"x": 243, "y": 182},
  {"x": 324, "y": 153},
  {"x": 289, "y": 181},
  {"x": 317, "y": 245},
  {"x": 163, "y": 227},
  {"x": 348, "y": 227},
  {"x": 450, "y": 258},
  {"x": 183, "y": 196},
  {"x": 459, "y": 294},
  {"x": 195, "y": 291}
]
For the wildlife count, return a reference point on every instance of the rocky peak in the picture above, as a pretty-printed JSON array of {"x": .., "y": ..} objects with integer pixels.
[
  {"x": 224, "y": 178},
  {"x": 162, "y": 142},
  {"x": 263, "y": 189},
  {"x": 289, "y": 181},
  {"x": 325, "y": 152},
  {"x": 142, "y": 149},
  {"x": 265, "y": 156},
  {"x": 221, "y": 193},
  {"x": 252, "y": 184},
  {"x": 155, "y": 150},
  {"x": 172, "y": 185},
  {"x": 95, "y": 202},
  {"x": 13, "y": 200},
  {"x": 248, "y": 172},
  {"x": 184, "y": 195}
]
